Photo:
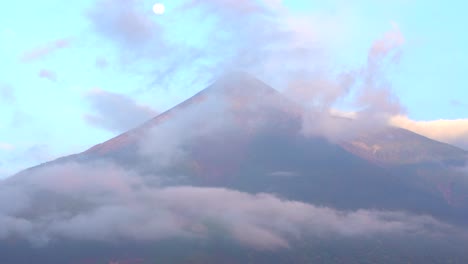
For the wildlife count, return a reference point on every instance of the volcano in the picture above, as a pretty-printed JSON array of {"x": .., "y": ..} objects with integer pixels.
[{"x": 240, "y": 134}]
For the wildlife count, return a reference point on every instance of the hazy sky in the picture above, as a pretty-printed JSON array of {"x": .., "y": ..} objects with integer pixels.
[{"x": 76, "y": 73}]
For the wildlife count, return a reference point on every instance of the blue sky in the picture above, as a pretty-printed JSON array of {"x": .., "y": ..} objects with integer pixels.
[{"x": 74, "y": 74}]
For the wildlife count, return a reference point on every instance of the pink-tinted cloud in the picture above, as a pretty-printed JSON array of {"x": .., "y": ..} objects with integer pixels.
[
  {"x": 377, "y": 92},
  {"x": 44, "y": 50},
  {"x": 48, "y": 74},
  {"x": 123, "y": 21},
  {"x": 390, "y": 42},
  {"x": 6, "y": 146},
  {"x": 454, "y": 132},
  {"x": 370, "y": 92},
  {"x": 103, "y": 202}
]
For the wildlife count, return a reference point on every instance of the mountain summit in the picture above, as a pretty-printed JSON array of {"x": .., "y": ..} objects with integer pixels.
[
  {"x": 238, "y": 91},
  {"x": 239, "y": 131},
  {"x": 212, "y": 167}
]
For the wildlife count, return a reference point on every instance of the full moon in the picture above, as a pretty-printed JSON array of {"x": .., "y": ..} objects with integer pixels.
[{"x": 158, "y": 9}]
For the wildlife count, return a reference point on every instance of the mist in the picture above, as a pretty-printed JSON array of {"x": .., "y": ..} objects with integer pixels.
[
  {"x": 267, "y": 150},
  {"x": 103, "y": 202}
]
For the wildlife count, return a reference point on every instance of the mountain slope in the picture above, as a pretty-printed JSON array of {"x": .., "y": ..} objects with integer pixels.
[
  {"x": 230, "y": 176},
  {"x": 240, "y": 133}
]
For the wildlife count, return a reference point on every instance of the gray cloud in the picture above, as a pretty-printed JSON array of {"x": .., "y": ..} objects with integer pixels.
[
  {"x": 106, "y": 203},
  {"x": 122, "y": 20},
  {"x": 115, "y": 112},
  {"x": 128, "y": 25}
]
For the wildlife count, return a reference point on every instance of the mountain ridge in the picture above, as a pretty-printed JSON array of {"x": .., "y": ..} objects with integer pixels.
[
  {"x": 243, "y": 87},
  {"x": 229, "y": 174}
]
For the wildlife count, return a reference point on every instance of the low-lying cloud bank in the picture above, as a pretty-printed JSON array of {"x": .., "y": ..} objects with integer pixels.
[{"x": 102, "y": 202}]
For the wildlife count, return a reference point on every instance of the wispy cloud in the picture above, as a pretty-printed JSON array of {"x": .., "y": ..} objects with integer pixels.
[
  {"x": 371, "y": 93},
  {"x": 454, "y": 132},
  {"x": 48, "y": 74},
  {"x": 288, "y": 51},
  {"x": 458, "y": 103},
  {"x": 291, "y": 56},
  {"x": 44, "y": 50},
  {"x": 101, "y": 63},
  {"x": 164, "y": 144},
  {"x": 38, "y": 153},
  {"x": 390, "y": 42},
  {"x": 124, "y": 21},
  {"x": 115, "y": 112},
  {"x": 7, "y": 94}
]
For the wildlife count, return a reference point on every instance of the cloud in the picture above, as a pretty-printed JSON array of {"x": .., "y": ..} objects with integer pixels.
[
  {"x": 7, "y": 94},
  {"x": 6, "y": 146},
  {"x": 143, "y": 45},
  {"x": 290, "y": 53},
  {"x": 115, "y": 112},
  {"x": 233, "y": 108},
  {"x": 457, "y": 103},
  {"x": 390, "y": 42},
  {"x": 221, "y": 43},
  {"x": 454, "y": 132},
  {"x": 48, "y": 74},
  {"x": 377, "y": 94},
  {"x": 102, "y": 202},
  {"x": 165, "y": 143},
  {"x": 38, "y": 153},
  {"x": 101, "y": 63},
  {"x": 371, "y": 94},
  {"x": 247, "y": 44},
  {"x": 123, "y": 21},
  {"x": 45, "y": 50}
]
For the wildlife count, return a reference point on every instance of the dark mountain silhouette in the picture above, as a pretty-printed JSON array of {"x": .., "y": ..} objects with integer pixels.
[{"x": 241, "y": 134}]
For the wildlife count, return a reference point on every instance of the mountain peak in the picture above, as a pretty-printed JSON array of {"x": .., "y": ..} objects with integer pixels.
[
  {"x": 240, "y": 83},
  {"x": 240, "y": 76}
]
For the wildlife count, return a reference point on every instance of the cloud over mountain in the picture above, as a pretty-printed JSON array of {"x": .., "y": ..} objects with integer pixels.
[
  {"x": 103, "y": 202},
  {"x": 115, "y": 112},
  {"x": 454, "y": 132}
]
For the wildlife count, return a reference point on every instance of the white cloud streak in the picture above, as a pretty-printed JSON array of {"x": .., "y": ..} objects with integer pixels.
[{"x": 454, "y": 132}]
